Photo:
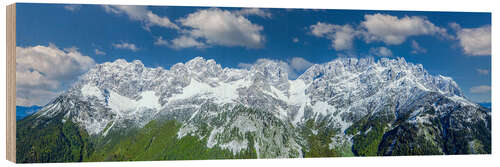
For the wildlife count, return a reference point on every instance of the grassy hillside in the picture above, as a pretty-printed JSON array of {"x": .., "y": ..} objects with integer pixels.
[
  {"x": 64, "y": 142},
  {"x": 43, "y": 140},
  {"x": 158, "y": 141}
]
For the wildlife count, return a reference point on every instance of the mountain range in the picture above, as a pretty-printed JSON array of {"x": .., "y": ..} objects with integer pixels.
[{"x": 198, "y": 110}]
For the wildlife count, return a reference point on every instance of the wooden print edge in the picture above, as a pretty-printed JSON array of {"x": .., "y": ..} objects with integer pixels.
[{"x": 11, "y": 82}]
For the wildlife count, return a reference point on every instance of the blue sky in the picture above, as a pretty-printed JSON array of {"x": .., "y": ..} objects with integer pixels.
[{"x": 447, "y": 43}]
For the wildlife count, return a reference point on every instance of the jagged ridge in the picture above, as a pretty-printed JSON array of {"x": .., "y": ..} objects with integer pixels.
[{"x": 338, "y": 96}]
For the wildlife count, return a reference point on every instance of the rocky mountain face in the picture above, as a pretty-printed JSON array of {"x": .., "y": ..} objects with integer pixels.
[{"x": 345, "y": 107}]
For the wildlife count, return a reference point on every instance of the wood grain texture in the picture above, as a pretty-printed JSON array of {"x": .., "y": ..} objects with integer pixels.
[{"x": 11, "y": 82}]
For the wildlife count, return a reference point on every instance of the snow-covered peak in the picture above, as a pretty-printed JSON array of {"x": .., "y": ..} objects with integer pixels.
[
  {"x": 448, "y": 86},
  {"x": 383, "y": 71},
  {"x": 128, "y": 79},
  {"x": 348, "y": 84},
  {"x": 197, "y": 61},
  {"x": 204, "y": 68},
  {"x": 118, "y": 67},
  {"x": 271, "y": 69},
  {"x": 224, "y": 105},
  {"x": 339, "y": 75},
  {"x": 122, "y": 63},
  {"x": 270, "y": 72}
]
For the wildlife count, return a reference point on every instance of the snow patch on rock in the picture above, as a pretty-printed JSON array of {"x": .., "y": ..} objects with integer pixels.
[
  {"x": 185, "y": 130},
  {"x": 124, "y": 105},
  {"x": 235, "y": 146},
  {"x": 89, "y": 90},
  {"x": 212, "y": 141}
]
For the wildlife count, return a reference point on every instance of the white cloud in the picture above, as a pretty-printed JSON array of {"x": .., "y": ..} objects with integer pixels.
[
  {"x": 475, "y": 41},
  {"x": 258, "y": 62},
  {"x": 480, "y": 89},
  {"x": 381, "y": 51},
  {"x": 125, "y": 45},
  {"x": 379, "y": 27},
  {"x": 35, "y": 96},
  {"x": 417, "y": 49},
  {"x": 293, "y": 67},
  {"x": 483, "y": 71},
  {"x": 142, "y": 14},
  {"x": 155, "y": 20},
  {"x": 341, "y": 35},
  {"x": 254, "y": 11},
  {"x": 161, "y": 42},
  {"x": 299, "y": 64},
  {"x": 180, "y": 42},
  {"x": 295, "y": 40},
  {"x": 245, "y": 65},
  {"x": 43, "y": 72},
  {"x": 72, "y": 8},
  {"x": 394, "y": 31},
  {"x": 186, "y": 42},
  {"x": 99, "y": 52},
  {"x": 455, "y": 26},
  {"x": 202, "y": 28},
  {"x": 292, "y": 74},
  {"x": 222, "y": 27},
  {"x": 321, "y": 29}
]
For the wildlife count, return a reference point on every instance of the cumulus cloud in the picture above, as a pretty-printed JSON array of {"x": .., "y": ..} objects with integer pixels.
[
  {"x": 389, "y": 29},
  {"x": 142, "y": 14},
  {"x": 254, "y": 11},
  {"x": 381, "y": 51},
  {"x": 480, "y": 89},
  {"x": 475, "y": 41},
  {"x": 394, "y": 31},
  {"x": 292, "y": 74},
  {"x": 125, "y": 45},
  {"x": 221, "y": 27},
  {"x": 245, "y": 65},
  {"x": 186, "y": 42},
  {"x": 455, "y": 26},
  {"x": 35, "y": 96},
  {"x": 180, "y": 42},
  {"x": 72, "y": 8},
  {"x": 417, "y": 49},
  {"x": 321, "y": 29},
  {"x": 203, "y": 28},
  {"x": 99, "y": 52},
  {"x": 299, "y": 64},
  {"x": 294, "y": 67},
  {"x": 341, "y": 35},
  {"x": 483, "y": 71},
  {"x": 161, "y": 42},
  {"x": 295, "y": 40},
  {"x": 257, "y": 62},
  {"x": 42, "y": 72}
]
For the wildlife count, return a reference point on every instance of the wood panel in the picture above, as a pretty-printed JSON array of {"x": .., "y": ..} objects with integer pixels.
[{"x": 11, "y": 82}]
